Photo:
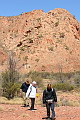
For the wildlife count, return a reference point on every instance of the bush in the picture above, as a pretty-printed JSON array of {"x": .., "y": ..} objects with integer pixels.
[
  {"x": 63, "y": 86},
  {"x": 10, "y": 84},
  {"x": 50, "y": 49},
  {"x": 77, "y": 79},
  {"x": 10, "y": 78},
  {"x": 11, "y": 90},
  {"x": 35, "y": 76},
  {"x": 57, "y": 23},
  {"x": 62, "y": 35}
]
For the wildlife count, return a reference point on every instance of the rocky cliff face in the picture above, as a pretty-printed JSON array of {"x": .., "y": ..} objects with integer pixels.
[{"x": 42, "y": 41}]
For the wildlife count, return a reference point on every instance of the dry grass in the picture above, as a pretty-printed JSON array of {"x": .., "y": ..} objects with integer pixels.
[
  {"x": 1, "y": 108},
  {"x": 25, "y": 115},
  {"x": 4, "y": 100},
  {"x": 64, "y": 99},
  {"x": 68, "y": 98}
]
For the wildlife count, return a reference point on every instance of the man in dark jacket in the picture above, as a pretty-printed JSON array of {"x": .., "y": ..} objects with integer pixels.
[
  {"x": 23, "y": 90},
  {"x": 50, "y": 98}
]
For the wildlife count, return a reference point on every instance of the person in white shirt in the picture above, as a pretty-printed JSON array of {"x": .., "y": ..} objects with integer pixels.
[{"x": 31, "y": 93}]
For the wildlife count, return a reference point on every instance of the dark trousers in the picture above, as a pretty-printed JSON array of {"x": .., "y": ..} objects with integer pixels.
[
  {"x": 32, "y": 102},
  {"x": 48, "y": 107}
]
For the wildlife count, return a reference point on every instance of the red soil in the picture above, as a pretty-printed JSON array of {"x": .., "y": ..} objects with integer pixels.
[{"x": 16, "y": 112}]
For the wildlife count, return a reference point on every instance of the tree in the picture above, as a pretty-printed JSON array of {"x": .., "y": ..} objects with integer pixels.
[
  {"x": 60, "y": 67},
  {"x": 10, "y": 78}
]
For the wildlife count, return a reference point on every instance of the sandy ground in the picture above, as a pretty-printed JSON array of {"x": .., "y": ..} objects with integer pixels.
[{"x": 16, "y": 112}]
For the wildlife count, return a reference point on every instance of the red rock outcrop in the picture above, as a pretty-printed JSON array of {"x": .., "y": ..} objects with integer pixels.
[{"x": 43, "y": 41}]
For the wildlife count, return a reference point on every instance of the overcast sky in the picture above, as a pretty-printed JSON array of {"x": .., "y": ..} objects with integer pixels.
[{"x": 16, "y": 7}]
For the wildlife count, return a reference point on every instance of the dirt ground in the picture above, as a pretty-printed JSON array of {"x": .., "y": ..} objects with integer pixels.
[{"x": 16, "y": 112}]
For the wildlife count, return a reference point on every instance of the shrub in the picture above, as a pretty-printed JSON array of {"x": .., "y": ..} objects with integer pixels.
[
  {"x": 25, "y": 58},
  {"x": 63, "y": 86},
  {"x": 22, "y": 49},
  {"x": 30, "y": 41},
  {"x": 38, "y": 19},
  {"x": 37, "y": 60},
  {"x": 35, "y": 76},
  {"x": 10, "y": 78},
  {"x": 50, "y": 49},
  {"x": 57, "y": 23},
  {"x": 62, "y": 35},
  {"x": 38, "y": 79},
  {"x": 10, "y": 85},
  {"x": 66, "y": 47},
  {"x": 40, "y": 36},
  {"x": 77, "y": 79}
]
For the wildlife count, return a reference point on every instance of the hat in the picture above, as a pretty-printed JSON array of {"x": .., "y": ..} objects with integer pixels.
[{"x": 33, "y": 82}]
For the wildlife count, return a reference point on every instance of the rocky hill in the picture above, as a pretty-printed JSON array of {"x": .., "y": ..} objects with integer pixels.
[{"x": 41, "y": 41}]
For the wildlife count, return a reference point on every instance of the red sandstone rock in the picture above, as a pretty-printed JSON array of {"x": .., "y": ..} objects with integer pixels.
[{"x": 50, "y": 41}]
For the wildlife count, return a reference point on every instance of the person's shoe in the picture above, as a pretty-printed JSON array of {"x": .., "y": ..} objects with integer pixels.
[
  {"x": 53, "y": 118},
  {"x": 32, "y": 109},
  {"x": 48, "y": 118},
  {"x": 27, "y": 105},
  {"x": 44, "y": 118},
  {"x": 24, "y": 105}
]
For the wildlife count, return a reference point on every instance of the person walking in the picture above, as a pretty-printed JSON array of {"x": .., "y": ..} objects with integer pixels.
[
  {"x": 23, "y": 90},
  {"x": 50, "y": 98},
  {"x": 31, "y": 93}
]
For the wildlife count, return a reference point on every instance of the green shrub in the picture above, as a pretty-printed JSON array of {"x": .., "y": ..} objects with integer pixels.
[
  {"x": 38, "y": 79},
  {"x": 66, "y": 47},
  {"x": 38, "y": 19},
  {"x": 30, "y": 40},
  {"x": 63, "y": 86},
  {"x": 10, "y": 78},
  {"x": 62, "y": 35},
  {"x": 50, "y": 48},
  {"x": 40, "y": 36},
  {"x": 22, "y": 49},
  {"x": 25, "y": 58},
  {"x": 57, "y": 23},
  {"x": 37, "y": 60},
  {"x": 11, "y": 89},
  {"x": 35, "y": 76},
  {"x": 10, "y": 83}
]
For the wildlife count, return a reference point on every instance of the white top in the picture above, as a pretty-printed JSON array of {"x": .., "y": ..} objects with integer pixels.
[{"x": 31, "y": 92}]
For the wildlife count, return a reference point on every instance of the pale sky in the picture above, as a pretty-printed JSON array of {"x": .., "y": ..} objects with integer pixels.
[{"x": 16, "y": 7}]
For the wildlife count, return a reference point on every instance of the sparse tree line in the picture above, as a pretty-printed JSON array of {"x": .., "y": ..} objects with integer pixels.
[{"x": 10, "y": 79}]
